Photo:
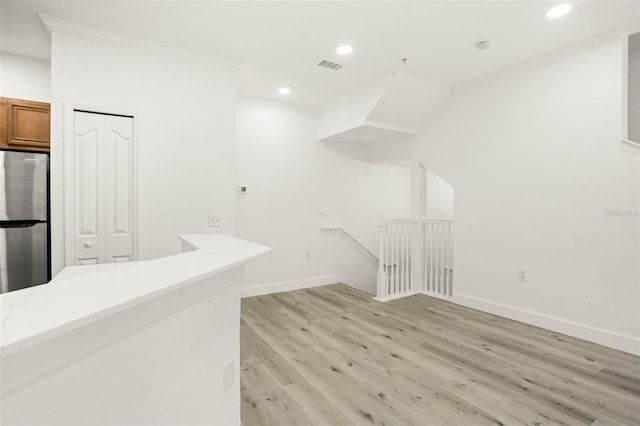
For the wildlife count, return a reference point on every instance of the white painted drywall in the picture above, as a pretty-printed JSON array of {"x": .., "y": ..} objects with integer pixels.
[
  {"x": 25, "y": 78},
  {"x": 408, "y": 101},
  {"x": 541, "y": 184},
  {"x": 185, "y": 134},
  {"x": 350, "y": 111},
  {"x": 391, "y": 109},
  {"x": 439, "y": 197},
  {"x": 291, "y": 178}
]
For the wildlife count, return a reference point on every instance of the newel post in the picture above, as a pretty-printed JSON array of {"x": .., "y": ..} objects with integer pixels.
[{"x": 382, "y": 275}]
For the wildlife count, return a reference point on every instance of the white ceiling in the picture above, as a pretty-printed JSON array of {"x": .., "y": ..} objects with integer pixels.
[{"x": 280, "y": 43}]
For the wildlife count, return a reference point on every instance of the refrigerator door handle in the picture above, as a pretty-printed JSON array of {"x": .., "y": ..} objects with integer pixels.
[{"x": 19, "y": 223}]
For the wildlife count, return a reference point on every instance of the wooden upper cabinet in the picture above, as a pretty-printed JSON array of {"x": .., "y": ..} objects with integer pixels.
[{"x": 25, "y": 125}]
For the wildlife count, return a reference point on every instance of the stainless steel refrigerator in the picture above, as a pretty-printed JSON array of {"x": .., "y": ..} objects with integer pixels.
[{"x": 24, "y": 220}]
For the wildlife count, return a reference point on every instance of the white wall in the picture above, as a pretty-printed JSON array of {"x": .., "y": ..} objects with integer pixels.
[
  {"x": 24, "y": 78},
  {"x": 185, "y": 127},
  {"x": 439, "y": 197},
  {"x": 541, "y": 183},
  {"x": 292, "y": 178}
]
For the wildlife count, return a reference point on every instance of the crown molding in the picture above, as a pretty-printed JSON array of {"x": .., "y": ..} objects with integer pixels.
[
  {"x": 259, "y": 100},
  {"x": 61, "y": 26}
]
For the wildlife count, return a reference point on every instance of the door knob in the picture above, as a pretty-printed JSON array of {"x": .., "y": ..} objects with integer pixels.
[{"x": 87, "y": 244}]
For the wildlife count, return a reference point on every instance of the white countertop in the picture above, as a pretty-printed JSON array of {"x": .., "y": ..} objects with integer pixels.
[{"x": 81, "y": 295}]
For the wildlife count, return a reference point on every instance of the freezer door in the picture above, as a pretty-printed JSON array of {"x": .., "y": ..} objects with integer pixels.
[
  {"x": 23, "y": 185},
  {"x": 23, "y": 255}
]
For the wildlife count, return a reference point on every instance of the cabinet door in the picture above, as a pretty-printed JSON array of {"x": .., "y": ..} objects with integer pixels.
[
  {"x": 103, "y": 188},
  {"x": 25, "y": 125}
]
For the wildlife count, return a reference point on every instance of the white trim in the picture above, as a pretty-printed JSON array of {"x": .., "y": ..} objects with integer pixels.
[
  {"x": 353, "y": 284},
  {"x": 601, "y": 336},
  {"x": 352, "y": 238},
  {"x": 398, "y": 296},
  {"x": 624, "y": 98},
  {"x": 257, "y": 100},
  {"x": 435, "y": 295},
  {"x": 378, "y": 125},
  {"x": 63, "y": 26},
  {"x": 260, "y": 289},
  {"x": 68, "y": 174},
  {"x": 631, "y": 146},
  {"x": 625, "y": 143}
]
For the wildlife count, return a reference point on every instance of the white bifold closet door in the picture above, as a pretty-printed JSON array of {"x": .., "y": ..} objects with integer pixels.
[{"x": 103, "y": 188}]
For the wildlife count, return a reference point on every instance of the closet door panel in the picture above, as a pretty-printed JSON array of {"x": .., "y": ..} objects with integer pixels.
[
  {"x": 119, "y": 189},
  {"x": 103, "y": 188},
  {"x": 88, "y": 185}
]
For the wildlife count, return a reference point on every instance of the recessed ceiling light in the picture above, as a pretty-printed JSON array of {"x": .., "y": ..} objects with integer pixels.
[
  {"x": 344, "y": 49},
  {"x": 284, "y": 90},
  {"x": 483, "y": 43},
  {"x": 558, "y": 11}
]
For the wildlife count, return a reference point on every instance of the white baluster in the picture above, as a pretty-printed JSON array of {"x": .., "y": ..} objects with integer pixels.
[
  {"x": 382, "y": 276},
  {"x": 405, "y": 254},
  {"x": 425, "y": 276},
  {"x": 436, "y": 240},
  {"x": 450, "y": 262},
  {"x": 441, "y": 261},
  {"x": 431, "y": 257},
  {"x": 435, "y": 256},
  {"x": 445, "y": 243},
  {"x": 412, "y": 249},
  {"x": 427, "y": 265},
  {"x": 392, "y": 278},
  {"x": 443, "y": 284},
  {"x": 388, "y": 257},
  {"x": 396, "y": 242},
  {"x": 400, "y": 256},
  {"x": 407, "y": 236},
  {"x": 451, "y": 268}
]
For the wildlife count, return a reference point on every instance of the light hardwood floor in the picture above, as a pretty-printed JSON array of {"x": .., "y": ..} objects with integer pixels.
[{"x": 333, "y": 356}]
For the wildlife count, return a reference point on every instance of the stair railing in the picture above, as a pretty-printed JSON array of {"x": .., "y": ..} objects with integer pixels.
[
  {"x": 437, "y": 235},
  {"x": 395, "y": 277},
  {"x": 352, "y": 238}
]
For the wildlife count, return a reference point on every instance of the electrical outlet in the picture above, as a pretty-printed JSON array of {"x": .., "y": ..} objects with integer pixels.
[
  {"x": 228, "y": 376},
  {"x": 307, "y": 255},
  {"x": 522, "y": 275},
  {"x": 214, "y": 221}
]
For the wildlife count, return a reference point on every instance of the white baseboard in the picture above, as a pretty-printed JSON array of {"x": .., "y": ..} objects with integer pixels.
[
  {"x": 400, "y": 296},
  {"x": 353, "y": 284},
  {"x": 608, "y": 338},
  {"x": 259, "y": 290}
]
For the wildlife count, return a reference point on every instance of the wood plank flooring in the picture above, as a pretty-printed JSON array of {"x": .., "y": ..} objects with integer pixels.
[{"x": 333, "y": 356}]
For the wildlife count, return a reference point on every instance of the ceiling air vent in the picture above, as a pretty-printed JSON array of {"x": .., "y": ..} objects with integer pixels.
[{"x": 330, "y": 65}]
